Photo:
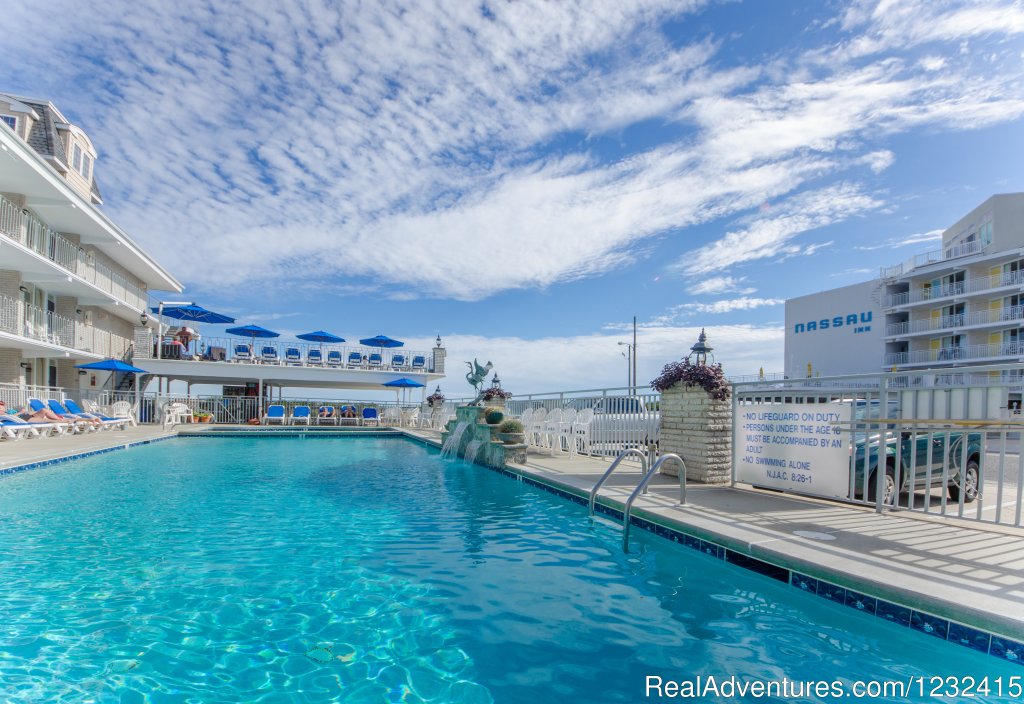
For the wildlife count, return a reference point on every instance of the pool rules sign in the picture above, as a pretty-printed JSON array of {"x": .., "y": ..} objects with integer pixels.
[{"x": 800, "y": 447}]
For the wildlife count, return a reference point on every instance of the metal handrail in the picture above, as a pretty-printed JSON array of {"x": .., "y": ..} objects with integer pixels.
[
  {"x": 642, "y": 488},
  {"x": 600, "y": 482}
]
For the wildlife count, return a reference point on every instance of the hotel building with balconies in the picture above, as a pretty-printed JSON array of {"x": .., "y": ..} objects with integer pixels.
[
  {"x": 73, "y": 285},
  {"x": 960, "y": 304}
]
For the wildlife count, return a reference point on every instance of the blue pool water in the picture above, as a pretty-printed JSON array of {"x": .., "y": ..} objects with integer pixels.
[{"x": 369, "y": 570}]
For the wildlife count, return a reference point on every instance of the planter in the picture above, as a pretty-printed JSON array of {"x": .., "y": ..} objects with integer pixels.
[{"x": 512, "y": 438}]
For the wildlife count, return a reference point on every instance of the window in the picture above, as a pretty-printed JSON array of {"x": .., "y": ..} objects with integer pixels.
[
  {"x": 76, "y": 158},
  {"x": 86, "y": 166},
  {"x": 10, "y": 121},
  {"x": 986, "y": 233}
]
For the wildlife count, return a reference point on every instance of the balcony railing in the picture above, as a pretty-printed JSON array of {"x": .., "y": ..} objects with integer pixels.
[
  {"x": 25, "y": 228},
  {"x": 978, "y": 284},
  {"x": 24, "y": 320},
  {"x": 932, "y": 257},
  {"x": 945, "y": 355},
  {"x": 960, "y": 320}
]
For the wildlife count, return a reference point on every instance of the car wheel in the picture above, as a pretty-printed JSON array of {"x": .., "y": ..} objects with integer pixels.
[
  {"x": 971, "y": 483},
  {"x": 889, "y": 492}
]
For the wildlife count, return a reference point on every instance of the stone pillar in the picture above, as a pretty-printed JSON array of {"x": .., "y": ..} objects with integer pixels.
[
  {"x": 440, "y": 352},
  {"x": 698, "y": 428}
]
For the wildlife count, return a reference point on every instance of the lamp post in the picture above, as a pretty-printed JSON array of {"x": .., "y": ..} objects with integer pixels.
[{"x": 701, "y": 350}]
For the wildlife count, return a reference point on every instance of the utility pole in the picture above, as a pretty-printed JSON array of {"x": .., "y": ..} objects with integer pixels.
[{"x": 633, "y": 385}]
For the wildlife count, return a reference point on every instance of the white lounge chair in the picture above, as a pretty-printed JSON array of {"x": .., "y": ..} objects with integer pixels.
[{"x": 275, "y": 414}]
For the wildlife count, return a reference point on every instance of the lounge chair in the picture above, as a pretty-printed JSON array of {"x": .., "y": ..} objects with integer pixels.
[
  {"x": 326, "y": 415},
  {"x": 398, "y": 361},
  {"x": 375, "y": 360},
  {"x": 94, "y": 421},
  {"x": 269, "y": 355},
  {"x": 292, "y": 356},
  {"x": 107, "y": 421},
  {"x": 15, "y": 430},
  {"x": 77, "y": 425},
  {"x": 370, "y": 416},
  {"x": 300, "y": 414},
  {"x": 334, "y": 359},
  {"x": 355, "y": 360},
  {"x": 243, "y": 353},
  {"x": 32, "y": 429},
  {"x": 274, "y": 414},
  {"x": 348, "y": 414},
  {"x": 419, "y": 362},
  {"x": 315, "y": 358}
]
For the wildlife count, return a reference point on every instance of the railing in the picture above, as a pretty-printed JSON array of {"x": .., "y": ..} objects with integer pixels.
[
  {"x": 642, "y": 488},
  {"x": 242, "y": 409},
  {"x": 27, "y": 229},
  {"x": 978, "y": 284},
  {"x": 932, "y": 257},
  {"x": 25, "y": 320},
  {"x": 954, "y": 354},
  {"x": 16, "y": 395},
  {"x": 225, "y": 349},
  {"x": 960, "y": 320}
]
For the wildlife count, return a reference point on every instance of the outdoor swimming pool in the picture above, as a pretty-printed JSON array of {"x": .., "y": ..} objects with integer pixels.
[{"x": 367, "y": 569}]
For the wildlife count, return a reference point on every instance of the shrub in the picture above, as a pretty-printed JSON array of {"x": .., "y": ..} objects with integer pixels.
[
  {"x": 708, "y": 377},
  {"x": 435, "y": 399},
  {"x": 511, "y": 426},
  {"x": 493, "y": 416},
  {"x": 493, "y": 393}
]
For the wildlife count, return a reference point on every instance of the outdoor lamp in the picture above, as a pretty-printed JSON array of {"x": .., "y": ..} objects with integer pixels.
[
  {"x": 437, "y": 342},
  {"x": 495, "y": 382},
  {"x": 701, "y": 349},
  {"x": 438, "y": 390},
  {"x": 143, "y": 319}
]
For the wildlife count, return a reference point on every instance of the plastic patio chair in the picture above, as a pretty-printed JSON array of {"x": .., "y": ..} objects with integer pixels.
[
  {"x": 292, "y": 356},
  {"x": 315, "y": 358},
  {"x": 300, "y": 414},
  {"x": 370, "y": 416},
  {"x": 274, "y": 414}
]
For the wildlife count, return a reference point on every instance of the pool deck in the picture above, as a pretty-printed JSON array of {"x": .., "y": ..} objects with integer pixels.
[{"x": 968, "y": 572}]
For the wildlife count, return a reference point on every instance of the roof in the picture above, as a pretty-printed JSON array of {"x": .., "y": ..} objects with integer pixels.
[{"x": 43, "y": 137}]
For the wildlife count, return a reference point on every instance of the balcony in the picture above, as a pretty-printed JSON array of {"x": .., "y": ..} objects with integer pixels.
[
  {"x": 974, "y": 286},
  {"x": 933, "y": 257},
  {"x": 962, "y": 320},
  {"x": 33, "y": 323},
  {"x": 30, "y": 232},
  {"x": 947, "y": 355}
]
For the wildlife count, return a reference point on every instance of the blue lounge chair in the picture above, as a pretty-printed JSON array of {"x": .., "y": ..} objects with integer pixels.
[
  {"x": 419, "y": 362},
  {"x": 370, "y": 416},
  {"x": 334, "y": 358},
  {"x": 354, "y": 360},
  {"x": 243, "y": 353},
  {"x": 300, "y": 414},
  {"x": 315, "y": 358},
  {"x": 326, "y": 415},
  {"x": 76, "y": 424},
  {"x": 92, "y": 423},
  {"x": 274, "y": 414},
  {"x": 375, "y": 360},
  {"x": 292, "y": 356},
  {"x": 108, "y": 421},
  {"x": 398, "y": 361},
  {"x": 348, "y": 414},
  {"x": 36, "y": 428},
  {"x": 269, "y": 355},
  {"x": 13, "y": 428}
]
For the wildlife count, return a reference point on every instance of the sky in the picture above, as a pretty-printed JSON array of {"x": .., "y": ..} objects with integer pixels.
[{"x": 523, "y": 178}]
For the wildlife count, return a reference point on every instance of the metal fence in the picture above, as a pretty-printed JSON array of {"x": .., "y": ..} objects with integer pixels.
[{"x": 933, "y": 443}]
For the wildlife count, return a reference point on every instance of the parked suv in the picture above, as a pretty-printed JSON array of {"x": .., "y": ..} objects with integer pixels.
[{"x": 913, "y": 453}]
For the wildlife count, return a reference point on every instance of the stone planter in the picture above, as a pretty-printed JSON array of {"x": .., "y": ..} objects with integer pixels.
[
  {"x": 698, "y": 428},
  {"x": 512, "y": 438}
]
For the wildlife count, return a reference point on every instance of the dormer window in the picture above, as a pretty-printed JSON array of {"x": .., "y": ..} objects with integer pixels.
[
  {"x": 10, "y": 121},
  {"x": 86, "y": 166},
  {"x": 76, "y": 158}
]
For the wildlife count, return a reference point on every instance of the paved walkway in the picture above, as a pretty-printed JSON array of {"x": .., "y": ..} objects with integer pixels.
[
  {"x": 29, "y": 450},
  {"x": 964, "y": 571}
]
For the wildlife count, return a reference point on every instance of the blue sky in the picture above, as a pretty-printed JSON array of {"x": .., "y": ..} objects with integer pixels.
[{"x": 523, "y": 178}]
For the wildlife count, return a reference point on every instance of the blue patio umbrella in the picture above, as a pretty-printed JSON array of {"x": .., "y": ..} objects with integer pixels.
[
  {"x": 321, "y": 337},
  {"x": 402, "y": 383},
  {"x": 194, "y": 313},
  {"x": 116, "y": 366},
  {"x": 381, "y": 341},
  {"x": 252, "y": 332}
]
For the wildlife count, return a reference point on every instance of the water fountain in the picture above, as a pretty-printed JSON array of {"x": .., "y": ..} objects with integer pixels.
[
  {"x": 451, "y": 445},
  {"x": 472, "y": 448}
]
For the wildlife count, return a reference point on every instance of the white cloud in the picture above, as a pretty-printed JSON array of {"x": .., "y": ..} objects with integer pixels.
[
  {"x": 729, "y": 305},
  {"x": 930, "y": 237},
  {"x": 879, "y": 161},
  {"x": 721, "y": 284},
  {"x": 771, "y": 235}
]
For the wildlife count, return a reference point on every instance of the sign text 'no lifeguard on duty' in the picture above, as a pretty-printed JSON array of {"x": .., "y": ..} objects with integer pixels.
[{"x": 795, "y": 447}]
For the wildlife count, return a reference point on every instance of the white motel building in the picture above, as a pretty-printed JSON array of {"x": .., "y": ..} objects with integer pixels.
[{"x": 960, "y": 304}]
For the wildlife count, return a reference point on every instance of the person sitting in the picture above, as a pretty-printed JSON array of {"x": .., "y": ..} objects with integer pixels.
[
  {"x": 348, "y": 411},
  {"x": 326, "y": 412}
]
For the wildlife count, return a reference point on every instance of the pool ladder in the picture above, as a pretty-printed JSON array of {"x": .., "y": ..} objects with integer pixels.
[{"x": 641, "y": 488}]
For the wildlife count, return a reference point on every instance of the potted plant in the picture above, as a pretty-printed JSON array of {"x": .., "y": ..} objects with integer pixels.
[
  {"x": 493, "y": 415},
  {"x": 496, "y": 396},
  {"x": 512, "y": 432},
  {"x": 435, "y": 399},
  {"x": 203, "y": 417}
]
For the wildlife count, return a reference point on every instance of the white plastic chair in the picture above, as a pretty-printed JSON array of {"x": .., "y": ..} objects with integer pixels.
[
  {"x": 581, "y": 432},
  {"x": 392, "y": 415},
  {"x": 565, "y": 431},
  {"x": 526, "y": 418},
  {"x": 410, "y": 417},
  {"x": 123, "y": 409},
  {"x": 549, "y": 435},
  {"x": 175, "y": 413},
  {"x": 536, "y": 427}
]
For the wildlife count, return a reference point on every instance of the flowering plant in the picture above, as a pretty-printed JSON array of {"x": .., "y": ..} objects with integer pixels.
[
  {"x": 708, "y": 377},
  {"x": 435, "y": 399},
  {"x": 495, "y": 392}
]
